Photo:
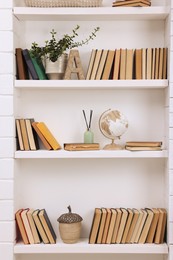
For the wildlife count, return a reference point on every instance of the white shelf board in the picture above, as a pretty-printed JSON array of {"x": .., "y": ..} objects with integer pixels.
[
  {"x": 83, "y": 247},
  {"x": 60, "y": 154},
  {"x": 91, "y": 84},
  {"x": 87, "y": 14}
]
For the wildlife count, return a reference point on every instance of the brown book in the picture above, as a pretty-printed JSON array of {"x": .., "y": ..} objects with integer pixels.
[
  {"x": 129, "y": 64},
  {"x": 102, "y": 225},
  {"x": 157, "y": 63},
  {"x": 153, "y": 63},
  {"x": 33, "y": 226},
  {"x": 81, "y": 146},
  {"x": 95, "y": 226},
  {"x": 27, "y": 226},
  {"x": 22, "y": 72},
  {"x": 21, "y": 227},
  {"x": 165, "y": 53},
  {"x": 101, "y": 65},
  {"x": 152, "y": 230},
  {"x": 144, "y": 63},
  {"x": 138, "y": 4},
  {"x": 144, "y": 143},
  {"x": 122, "y": 225},
  {"x": 106, "y": 227},
  {"x": 90, "y": 65},
  {"x": 117, "y": 225},
  {"x": 138, "y": 64},
  {"x": 111, "y": 226},
  {"x": 160, "y": 63},
  {"x": 123, "y": 63},
  {"x": 19, "y": 135},
  {"x": 138, "y": 223},
  {"x": 132, "y": 226},
  {"x": 163, "y": 226},
  {"x": 127, "y": 226},
  {"x": 96, "y": 64},
  {"x": 48, "y": 135},
  {"x": 146, "y": 227},
  {"x": 108, "y": 65},
  {"x": 142, "y": 223},
  {"x": 30, "y": 134},
  {"x": 142, "y": 148},
  {"x": 40, "y": 227},
  {"x": 24, "y": 134},
  {"x": 41, "y": 136},
  {"x": 119, "y": 3},
  {"x": 116, "y": 70}
]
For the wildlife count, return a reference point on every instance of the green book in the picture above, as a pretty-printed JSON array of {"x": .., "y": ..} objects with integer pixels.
[{"x": 38, "y": 65}]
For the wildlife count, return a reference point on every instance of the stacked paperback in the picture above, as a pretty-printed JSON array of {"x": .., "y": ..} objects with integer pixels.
[
  {"x": 128, "y": 226},
  {"x": 143, "y": 146},
  {"x": 134, "y": 3}
]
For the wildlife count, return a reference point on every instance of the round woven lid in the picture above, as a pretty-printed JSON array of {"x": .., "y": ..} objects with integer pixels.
[{"x": 69, "y": 217}]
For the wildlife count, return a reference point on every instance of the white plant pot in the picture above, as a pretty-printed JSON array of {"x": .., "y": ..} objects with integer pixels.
[{"x": 55, "y": 70}]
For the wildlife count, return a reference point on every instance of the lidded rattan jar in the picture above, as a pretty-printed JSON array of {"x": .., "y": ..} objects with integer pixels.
[{"x": 70, "y": 227}]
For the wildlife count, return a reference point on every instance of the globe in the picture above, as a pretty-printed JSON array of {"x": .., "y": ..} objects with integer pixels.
[{"x": 113, "y": 124}]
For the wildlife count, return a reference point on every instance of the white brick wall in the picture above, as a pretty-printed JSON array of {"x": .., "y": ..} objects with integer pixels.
[
  {"x": 6, "y": 210},
  {"x": 6, "y": 169},
  {"x": 6, "y": 17},
  {"x": 6, "y": 251},
  {"x": 6, "y": 86},
  {"x": 7, "y": 43},
  {"x": 6, "y": 105},
  {"x": 6, "y": 189},
  {"x": 7, "y": 127},
  {"x": 6, "y": 63},
  {"x": 7, "y": 231}
]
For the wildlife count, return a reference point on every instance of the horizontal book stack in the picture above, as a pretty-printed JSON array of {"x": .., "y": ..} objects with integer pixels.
[
  {"x": 34, "y": 227},
  {"x": 134, "y": 3},
  {"x": 81, "y": 146},
  {"x": 127, "y": 64},
  {"x": 143, "y": 146},
  {"x": 128, "y": 226},
  {"x": 29, "y": 132}
]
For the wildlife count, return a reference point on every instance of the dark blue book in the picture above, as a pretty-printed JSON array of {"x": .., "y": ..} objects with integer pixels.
[{"x": 30, "y": 64}]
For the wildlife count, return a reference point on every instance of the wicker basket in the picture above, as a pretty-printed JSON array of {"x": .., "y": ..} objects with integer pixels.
[{"x": 63, "y": 3}]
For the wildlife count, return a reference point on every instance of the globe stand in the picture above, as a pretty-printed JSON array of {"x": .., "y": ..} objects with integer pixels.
[{"x": 113, "y": 146}]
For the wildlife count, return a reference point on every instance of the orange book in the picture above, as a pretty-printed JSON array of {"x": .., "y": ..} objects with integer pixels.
[{"x": 108, "y": 65}]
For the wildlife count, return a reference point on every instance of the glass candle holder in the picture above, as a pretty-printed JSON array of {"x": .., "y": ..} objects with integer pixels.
[{"x": 88, "y": 137}]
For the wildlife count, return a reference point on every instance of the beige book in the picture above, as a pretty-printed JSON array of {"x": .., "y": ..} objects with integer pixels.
[
  {"x": 138, "y": 223},
  {"x": 165, "y": 51},
  {"x": 117, "y": 224},
  {"x": 133, "y": 224},
  {"x": 144, "y": 143},
  {"x": 30, "y": 134},
  {"x": 101, "y": 65},
  {"x": 116, "y": 70},
  {"x": 146, "y": 227},
  {"x": 160, "y": 63},
  {"x": 138, "y": 64},
  {"x": 128, "y": 2},
  {"x": 163, "y": 225},
  {"x": 149, "y": 62},
  {"x": 96, "y": 64},
  {"x": 127, "y": 226},
  {"x": 24, "y": 134},
  {"x": 108, "y": 65},
  {"x": 152, "y": 230},
  {"x": 102, "y": 225},
  {"x": 90, "y": 65},
  {"x": 33, "y": 226},
  {"x": 144, "y": 63},
  {"x": 122, "y": 225},
  {"x": 19, "y": 135},
  {"x": 123, "y": 64},
  {"x": 21, "y": 227},
  {"x": 95, "y": 226},
  {"x": 106, "y": 227},
  {"x": 142, "y": 148},
  {"x": 157, "y": 64},
  {"x": 111, "y": 226},
  {"x": 40, "y": 227},
  {"x": 129, "y": 64},
  {"x": 142, "y": 223},
  {"x": 27, "y": 226},
  {"x": 153, "y": 63}
]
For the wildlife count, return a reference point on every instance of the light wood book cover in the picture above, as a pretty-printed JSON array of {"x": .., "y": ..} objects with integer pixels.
[
  {"x": 21, "y": 227},
  {"x": 144, "y": 143},
  {"x": 48, "y": 135},
  {"x": 165, "y": 53},
  {"x": 138, "y": 223},
  {"x": 81, "y": 146},
  {"x": 33, "y": 226},
  {"x": 21, "y": 66},
  {"x": 108, "y": 65},
  {"x": 27, "y": 226},
  {"x": 101, "y": 65},
  {"x": 138, "y": 64},
  {"x": 152, "y": 230},
  {"x": 41, "y": 136},
  {"x": 19, "y": 135},
  {"x": 129, "y": 64},
  {"x": 106, "y": 227},
  {"x": 24, "y": 134},
  {"x": 144, "y": 63},
  {"x": 127, "y": 226},
  {"x": 30, "y": 134},
  {"x": 159, "y": 227},
  {"x": 157, "y": 64},
  {"x": 142, "y": 148},
  {"x": 116, "y": 71},
  {"x": 149, "y": 62},
  {"x": 138, "y": 4},
  {"x": 96, "y": 64},
  {"x": 153, "y": 63},
  {"x": 128, "y": 2},
  {"x": 133, "y": 224},
  {"x": 163, "y": 225},
  {"x": 117, "y": 225},
  {"x": 91, "y": 62},
  {"x": 146, "y": 227},
  {"x": 122, "y": 225},
  {"x": 123, "y": 64},
  {"x": 95, "y": 226},
  {"x": 142, "y": 223},
  {"x": 40, "y": 227},
  {"x": 102, "y": 225},
  {"x": 160, "y": 63},
  {"x": 111, "y": 226}
]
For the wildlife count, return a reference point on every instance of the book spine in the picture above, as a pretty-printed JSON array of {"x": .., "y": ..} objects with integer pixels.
[
  {"x": 30, "y": 65},
  {"x": 39, "y": 68}
]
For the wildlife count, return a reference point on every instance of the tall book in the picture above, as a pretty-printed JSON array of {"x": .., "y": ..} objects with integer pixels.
[
  {"x": 47, "y": 226},
  {"x": 157, "y": 64},
  {"x": 91, "y": 63},
  {"x": 138, "y": 64},
  {"x": 123, "y": 63},
  {"x": 162, "y": 237},
  {"x": 40, "y": 227},
  {"x": 48, "y": 135},
  {"x": 106, "y": 227},
  {"x": 30, "y": 134},
  {"x": 117, "y": 225},
  {"x": 41, "y": 136},
  {"x": 153, "y": 63},
  {"x": 127, "y": 226},
  {"x": 108, "y": 65},
  {"x": 24, "y": 134},
  {"x": 101, "y": 65},
  {"x": 30, "y": 64},
  {"x": 21, "y": 226},
  {"x": 116, "y": 70},
  {"x": 27, "y": 226},
  {"x": 133, "y": 224},
  {"x": 95, "y": 226},
  {"x": 122, "y": 225},
  {"x": 138, "y": 223},
  {"x": 165, "y": 53},
  {"x": 22, "y": 71},
  {"x": 144, "y": 63},
  {"x": 102, "y": 225},
  {"x": 129, "y": 64},
  {"x": 35, "y": 233},
  {"x": 142, "y": 223},
  {"x": 38, "y": 65},
  {"x": 19, "y": 135},
  {"x": 96, "y": 64},
  {"x": 160, "y": 63},
  {"x": 152, "y": 230},
  {"x": 111, "y": 226},
  {"x": 146, "y": 227}
]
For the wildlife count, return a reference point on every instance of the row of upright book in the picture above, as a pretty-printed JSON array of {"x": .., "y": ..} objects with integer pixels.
[
  {"x": 128, "y": 226},
  {"x": 127, "y": 64},
  {"x": 34, "y": 226},
  {"x": 135, "y": 3}
]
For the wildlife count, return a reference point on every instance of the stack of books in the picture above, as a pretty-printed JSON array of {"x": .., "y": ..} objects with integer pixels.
[
  {"x": 81, "y": 146},
  {"x": 34, "y": 226},
  {"x": 121, "y": 226},
  {"x": 143, "y": 146},
  {"x": 134, "y": 3}
]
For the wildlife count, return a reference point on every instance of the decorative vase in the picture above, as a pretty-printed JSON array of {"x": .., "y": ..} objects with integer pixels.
[
  {"x": 55, "y": 70},
  {"x": 70, "y": 227}
]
